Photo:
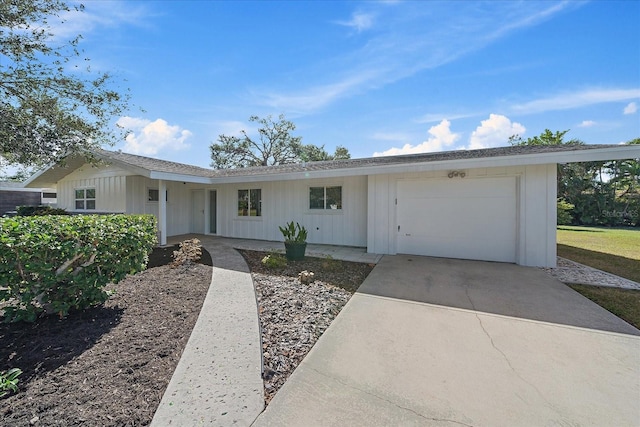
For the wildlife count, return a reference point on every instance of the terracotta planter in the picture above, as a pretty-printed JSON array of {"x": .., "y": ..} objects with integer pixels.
[{"x": 295, "y": 250}]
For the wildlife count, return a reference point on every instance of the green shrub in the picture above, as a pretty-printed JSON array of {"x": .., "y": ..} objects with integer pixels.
[
  {"x": 564, "y": 212},
  {"x": 57, "y": 263},
  {"x": 40, "y": 211},
  {"x": 274, "y": 261},
  {"x": 294, "y": 232},
  {"x": 9, "y": 381}
]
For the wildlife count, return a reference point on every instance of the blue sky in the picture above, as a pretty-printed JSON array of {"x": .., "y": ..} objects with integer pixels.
[{"x": 385, "y": 77}]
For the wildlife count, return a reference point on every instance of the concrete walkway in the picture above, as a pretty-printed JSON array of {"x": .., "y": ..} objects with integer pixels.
[
  {"x": 441, "y": 342},
  {"x": 218, "y": 381}
]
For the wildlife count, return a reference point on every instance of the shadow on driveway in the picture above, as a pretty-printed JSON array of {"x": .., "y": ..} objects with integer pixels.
[{"x": 498, "y": 288}]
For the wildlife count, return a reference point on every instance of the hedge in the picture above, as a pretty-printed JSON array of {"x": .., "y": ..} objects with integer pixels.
[{"x": 54, "y": 263}]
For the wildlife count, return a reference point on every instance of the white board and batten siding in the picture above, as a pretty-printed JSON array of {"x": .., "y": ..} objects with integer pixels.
[
  {"x": 492, "y": 214},
  {"x": 179, "y": 203},
  {"x": 110, "y": 183},
  {"x": 284, "y": 201}
]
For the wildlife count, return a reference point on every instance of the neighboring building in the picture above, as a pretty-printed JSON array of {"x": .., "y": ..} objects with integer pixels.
[
  {"x": 494, "y": 204},
  {"x": 14, "y": 194}
]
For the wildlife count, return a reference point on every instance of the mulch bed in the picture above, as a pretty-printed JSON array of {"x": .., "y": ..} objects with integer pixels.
[{"x": 109, "y": 365}]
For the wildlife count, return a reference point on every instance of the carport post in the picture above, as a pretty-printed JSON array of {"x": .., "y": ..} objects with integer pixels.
[{"x": 162, "y": 211}]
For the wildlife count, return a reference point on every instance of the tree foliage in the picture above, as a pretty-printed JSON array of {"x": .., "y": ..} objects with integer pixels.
[
  {"x": 49, "y": 105},
  {"x": 275, "y": 146},
  {"x": 594, "y": 193},
  {"x": 545, "y": 138}
]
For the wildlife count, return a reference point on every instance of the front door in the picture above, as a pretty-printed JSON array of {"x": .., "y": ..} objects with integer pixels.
[{"x": 197, "y": 211}]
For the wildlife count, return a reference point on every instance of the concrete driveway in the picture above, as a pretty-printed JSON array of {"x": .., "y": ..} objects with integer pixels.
[{"x": 443, "y": 342}]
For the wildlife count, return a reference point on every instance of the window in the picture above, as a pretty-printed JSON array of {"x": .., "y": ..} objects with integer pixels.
[
  {"x": 250, "y": 202},
  {"x": 154, "y": 195},
  {"x": 86, "y": 199},
  {"x": 49, "y": 195},
  {"x": 325, "y": 197}
]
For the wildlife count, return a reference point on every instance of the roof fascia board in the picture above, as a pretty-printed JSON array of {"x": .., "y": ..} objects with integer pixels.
[
  {"x": 167, "y": 176},
  {"x": 36, "y": 175},
  {"x": 483, "y": 162}
]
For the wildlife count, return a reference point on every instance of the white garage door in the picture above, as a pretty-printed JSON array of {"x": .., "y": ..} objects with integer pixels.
[{"x": 458, "y": 218}]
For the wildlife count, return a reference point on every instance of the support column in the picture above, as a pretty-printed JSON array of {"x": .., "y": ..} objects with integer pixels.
[{"x": 162, "y": 211}]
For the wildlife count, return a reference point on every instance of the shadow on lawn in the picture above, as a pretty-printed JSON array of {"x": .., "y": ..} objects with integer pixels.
[{"x": 580, "y": 230}]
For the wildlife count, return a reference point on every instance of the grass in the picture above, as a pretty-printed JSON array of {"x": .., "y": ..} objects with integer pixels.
[
  {"x": 614, "y": 250},
  {"x": 624, "y": 303}
]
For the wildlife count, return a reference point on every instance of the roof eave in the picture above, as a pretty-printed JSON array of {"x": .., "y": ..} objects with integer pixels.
[{"x": 596, "y": 154}]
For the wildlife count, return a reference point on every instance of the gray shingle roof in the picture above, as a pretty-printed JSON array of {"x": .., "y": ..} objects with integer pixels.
[
  {"x": 152, "y": 164},
  {"x": 406, "y": 159},
  {"x": 180, "y": 168}
]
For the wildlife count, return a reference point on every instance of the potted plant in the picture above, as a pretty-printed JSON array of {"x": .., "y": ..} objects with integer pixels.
[{"x": 295, "y": 240}]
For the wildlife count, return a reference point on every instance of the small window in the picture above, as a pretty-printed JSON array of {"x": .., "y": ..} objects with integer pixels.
[
  {"x": 86, "y": 199},
  {"x": 49, "y": 195},
  {"x": 250, "y": 202},
  {"x": 325, "y": 198},
  {"x": 153, "y": 195}
]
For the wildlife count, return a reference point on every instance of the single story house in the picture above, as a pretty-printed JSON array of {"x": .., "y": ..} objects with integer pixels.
[
  {"x": 13, "y": 194},
  {"x": 496, "y": 204}
]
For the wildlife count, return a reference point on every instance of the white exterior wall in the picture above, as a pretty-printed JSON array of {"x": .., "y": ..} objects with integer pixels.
[
  {"x": 179, "y": 204},
  {"x": 109, "y": 182},
  {"x": 284, "y": 201},
  {"x": 536, "y": 210}
]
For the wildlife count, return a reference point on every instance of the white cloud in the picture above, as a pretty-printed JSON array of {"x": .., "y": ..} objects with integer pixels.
[
  {"x": 435, "y": 117},
  {"x": 587, "y": 124},
  {"x": 569, "y": 100},
  {"x": 230, "y": 127},
  {"x": 149, "y": 138},
  {"x": 410, "y": 39},
  {"x": 358, "y": 21},
  {"x": 317, "y": 97},
  {"x": 441, "y": 138},
  {"x": 494, "y": 132},
  {"x": 98, "y": 14},
  {"x": 631, "y": 108}
]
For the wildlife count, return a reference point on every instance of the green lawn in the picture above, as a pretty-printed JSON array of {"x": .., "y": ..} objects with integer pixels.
[
  {"x": 624, "y": 303},
  {"x": 615, "y": 250}
]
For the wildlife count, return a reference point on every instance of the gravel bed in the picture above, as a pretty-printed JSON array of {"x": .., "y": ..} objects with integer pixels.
[
  {"x": 293, "y": 315},
  {"x": 568, "y": 271}
]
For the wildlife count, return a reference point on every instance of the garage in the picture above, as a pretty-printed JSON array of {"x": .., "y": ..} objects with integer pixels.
[{"x": 458, "y": 218}]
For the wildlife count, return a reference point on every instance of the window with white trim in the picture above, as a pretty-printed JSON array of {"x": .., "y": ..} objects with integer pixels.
[
  {"x": 325, "y": 197},
  {"x": 250, "y": 202},
  {"x": 85, "y": 199}
]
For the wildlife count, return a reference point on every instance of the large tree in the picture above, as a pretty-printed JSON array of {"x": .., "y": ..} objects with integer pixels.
[
  {"x": 594, "y": 193},
  {"x": 49, "y": 105},
  {"x": 275, "y": 145}
]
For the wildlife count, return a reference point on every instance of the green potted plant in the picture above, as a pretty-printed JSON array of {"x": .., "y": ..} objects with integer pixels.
[{"x": 295, "y": 240}]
